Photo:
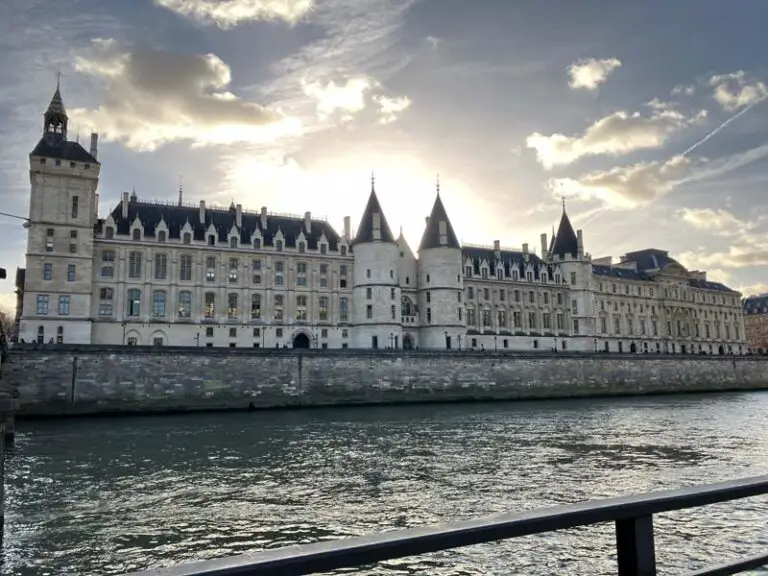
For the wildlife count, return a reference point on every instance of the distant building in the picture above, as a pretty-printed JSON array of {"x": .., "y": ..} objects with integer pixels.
[
  {"x": 194, "y": 275},
  {"x": 756, "y": 323}
]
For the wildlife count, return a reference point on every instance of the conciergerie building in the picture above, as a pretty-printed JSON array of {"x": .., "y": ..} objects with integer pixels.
[{"x": 150, "y": 273}]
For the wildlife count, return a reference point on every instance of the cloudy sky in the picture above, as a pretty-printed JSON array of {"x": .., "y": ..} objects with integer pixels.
[{"x": 648, "y": 116}]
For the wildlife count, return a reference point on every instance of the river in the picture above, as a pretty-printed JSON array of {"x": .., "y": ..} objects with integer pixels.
[{"x": 109, "y": 495}]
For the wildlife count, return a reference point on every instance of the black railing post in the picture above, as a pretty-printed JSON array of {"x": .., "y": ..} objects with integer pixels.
[{"x": 634, "y": 547}]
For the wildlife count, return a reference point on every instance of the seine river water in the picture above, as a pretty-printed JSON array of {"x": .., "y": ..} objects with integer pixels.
[{"x": 105, "y": 496}]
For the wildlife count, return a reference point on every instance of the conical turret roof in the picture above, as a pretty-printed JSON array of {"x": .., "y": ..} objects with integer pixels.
[
  {"x": 439, "y": 232},
  {"x": 373, "y": 225},
  {"x": 566, "y": 241}
]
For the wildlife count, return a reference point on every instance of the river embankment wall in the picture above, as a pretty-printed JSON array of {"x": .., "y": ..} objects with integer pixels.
[{"x": 92, "y": 380}]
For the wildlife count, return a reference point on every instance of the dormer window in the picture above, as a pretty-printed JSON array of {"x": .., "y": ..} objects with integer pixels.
[
  {"x": 58, "y": 162},
  {"x": 515, "y": 276},
  {"x": 87, "y": 166},
  {"x": 109, "y": 233},
  {"x": 302, "y": 247},
  {"x": 211, "y": 240},
  {"x": 279, "y": 245},
  {"x": 468, "y": 272},
  {"x": 187, "y": 238},
  {"x": 529, "y": 276},
  {"x": 72, "y": 165},
  {"x": 343, "y": 250},
  {"x": 42, "y": 160},
  {"x": 484, "y": 272},
  {"x": 136, "y": 234},
  {"x": 161, "y": 236},
  {"x": 323, "y": 248},
  {"x": 499, "y": 274},
  {"x": 543, "y": 277},
  {"x": 233, "y": 242},
  {"x": 257, "y": 243}
]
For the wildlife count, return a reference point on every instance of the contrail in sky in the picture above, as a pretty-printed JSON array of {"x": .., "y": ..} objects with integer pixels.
[{"x": 723, "y": 125}]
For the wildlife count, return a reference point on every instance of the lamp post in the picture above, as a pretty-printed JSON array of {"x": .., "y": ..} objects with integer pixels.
[{"x": 458, "y": 340}]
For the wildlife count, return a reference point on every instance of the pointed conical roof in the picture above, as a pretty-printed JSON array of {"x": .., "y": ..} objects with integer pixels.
[
  {"x": 365, "y": 232},
  {"x": 566, "y": 241},
  {"x": 56, "y": 105},
  {"x": 438, "y": 235}
]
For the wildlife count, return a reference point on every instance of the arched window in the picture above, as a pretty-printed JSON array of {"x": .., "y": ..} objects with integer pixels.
[
  {"x": 109, "y": 233},
  {"x": 257, "y": 243},
  {"x": 134, "y": 303},
  {"x": 40, "y": 334},
  {"x": 210, "y": 305},
  {"x": 161, "y": 236},
  {"x": 211, "y": 240},
  {"x": 136, "y": 234},
  {"x": 233, "y": 242},
  {"x": 406, "y": 307},
  {"x": 187, "y": 238}
]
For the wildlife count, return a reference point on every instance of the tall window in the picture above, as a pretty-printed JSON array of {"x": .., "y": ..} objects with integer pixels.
[
  {"x": 49, "y": 233},
  {"x": 161, "y": 266},
  {"x": 277, "y": 313},
  {"x": 106, "y": 298},
  {"x": 136, "y": 234},
  {"x": 185, "y": 304},
  {"x": 108, "y": 264},
  {"x": 210, "y": 305},
  {"x": 60, "y": 335},
  {"x": 42, "y": 304},
  {"x": 343, "y": 276},
  {"x": 301, "y": 274},
  {"x": 256, "y": 272},
  {"x": 70, "y": 272},
  {"x": 323, "y": 305},
  {"x": 47, "y": 271},
  {"x": 343, "y": 309},
  {"x": 232, "y": 311},
  {"x": 134, "y": 303},
  {"x": 161, "y": 236},
  {"x": 75, "y": 201},
  {"x": 301, "y": 308},
  {"x": 234, "y": 264},
  {"x": 187, "y": 238},
  {"x": 73, "y": 241},
  {"x": 158, "y": 304},
  {"x": 210, "y": 269},
  {"x": 185, "y": 267},
  {"x": 279, "y": 271},
  {"x": 255, "y": 306},
  {"x": 135, "y": 265},
  {"x": 109, "y": 233}
]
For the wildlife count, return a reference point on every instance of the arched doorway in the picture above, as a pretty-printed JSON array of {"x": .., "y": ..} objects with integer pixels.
[
  {"x": 407, "y": 342},
  {"x": 720, "y": 350},
  {"x": 633, "y": 348},
  {"x": 301, "y": 340}
]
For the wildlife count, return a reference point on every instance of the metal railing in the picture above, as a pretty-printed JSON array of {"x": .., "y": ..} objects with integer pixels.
[{"x": 633, "y": 516}]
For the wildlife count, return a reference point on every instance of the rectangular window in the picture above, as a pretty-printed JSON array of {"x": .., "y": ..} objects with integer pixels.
[
  {"x": 106, "y": 297},
  {"x": 70, "y": 272},
  {"x": 256, "y": 272},
  {"x": 158, "y": 304},
  {"x": 161, "y": 266},
  {"x": 393, "y": 311},
  {"x": 210, "y": 269},
  {"x": 209, "y": 309},
  {"x": 185, "y": 267},
  {"x": 234, "y": 265},
  {"x": 471, "y": 316},
  {"x": 73, "y": 241},
  {"x": 42, "y": 304},
  {"x": 545, "y": 321},
  {"x": 301, "y": 274},
  {"x": 64, "y": 305},
  {"x": 49, "y": 233},
  {"x": 323, "y": 304},
  {"x": 560, "y": 322},
  {"x": 301, "y": 308},
  {"x": 47, "y": 271},
  {"x": 108, "y": 264},
  {"x": 369, "y": 293},
  {"x": 343, "y": 276},
  {"x": 135, "y": 265},
  {"x": 232, "y": 306},
  {"x": 485, "y": 317},
  {"x": 255, "y": 306},
  {"x": 75, "y": 201},
  {"x": 277, "y": 308},
  {"x": 531, "y": 320},
  {"x": 573, "y": 277},
  {"x": 574, "y": 307},
  {"x": 279, "y": 271},
  {"x": 575, "y": 326},
  {"x": 185, "y": 304},
  {"x": 603, "y": 325},
  {"x": 343, "y": 309},
  {"x": 134, "y": 303},
  {"x": 369, "y": 311}
]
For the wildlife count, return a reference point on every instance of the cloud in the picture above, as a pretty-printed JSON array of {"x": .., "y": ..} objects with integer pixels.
[
  {"x": 627, "y": 186},
  {"x": 613, "y": 135},
  {"x": 390, "y": 108},
  {"x": 753, "y": 289},
  {"x": 228, "y": 13},
  {"x": 687, "y": 90},
  {"x": 734, "y": 91},
  {"x": 749, "y": 253},
  {"x": 154, "y": 97},
  {"x": 717, "y": 220},
  {"x": 588, "y": 74},
  {"x": 348, "y": 97}
]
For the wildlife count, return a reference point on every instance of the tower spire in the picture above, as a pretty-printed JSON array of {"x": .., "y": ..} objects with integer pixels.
[
  {"x": 437, "y": 184},
  {"x": 55, "y": 117},
  {"x": 373, "y": 182},
  {"x": 181, "y": 190}
]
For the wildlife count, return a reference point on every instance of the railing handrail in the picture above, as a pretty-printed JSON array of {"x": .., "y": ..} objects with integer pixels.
[{"x": 359, "y": 551}]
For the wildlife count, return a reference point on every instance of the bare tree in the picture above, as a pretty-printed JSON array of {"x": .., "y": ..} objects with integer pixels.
[{"x": 6, "y": 323}]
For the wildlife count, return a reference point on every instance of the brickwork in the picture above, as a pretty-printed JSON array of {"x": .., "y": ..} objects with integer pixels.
[{"x": 100, "y": 380}]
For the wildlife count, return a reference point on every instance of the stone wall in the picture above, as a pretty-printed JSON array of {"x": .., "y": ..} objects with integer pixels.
[{"x": 101, "y": 379}]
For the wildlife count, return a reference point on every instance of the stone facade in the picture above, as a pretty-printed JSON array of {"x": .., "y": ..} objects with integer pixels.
[
  {"x": 177, "y": 274},
  {"x": 119, "y": 379},
  {"x": 756, "y": 323}
]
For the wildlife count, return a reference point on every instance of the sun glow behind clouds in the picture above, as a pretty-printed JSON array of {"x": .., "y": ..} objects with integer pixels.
[{"x": 338, "y": 187}]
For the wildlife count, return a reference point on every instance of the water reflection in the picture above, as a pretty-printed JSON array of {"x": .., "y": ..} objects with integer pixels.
[{"x": 105, "y": 496}]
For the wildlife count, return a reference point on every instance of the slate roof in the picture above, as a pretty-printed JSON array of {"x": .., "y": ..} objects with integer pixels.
[
  {"x": 53, "y": 145},
  {"x": 566, "y": 241},
  {"x": 756, "y": 304},
  {"x": 365, "y": 230},
  {"x": 510, "y": 259},
  {"x": 622, "y": 273},
  {"x": 650, "y": 259},
  {"x": 431, "y": 237},
  {"x": 175, "y": 217}
]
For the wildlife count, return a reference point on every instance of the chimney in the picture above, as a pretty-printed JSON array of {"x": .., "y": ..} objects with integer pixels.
[
  {"x": 544, "y": 245},
  {"x": 346, "y": 228},
  {"x": 202, "y": 211},
  {"x": 525, "y": 248},
  {"x": 264, "y": 218},
  {"x": 308, "y": 222},
  {"x": 125, "y": 204},
  {"x": 497, "y": 245},
  {"x": 94, "y": 144},
  {"x": 239, "y": 215},
  {"x": 580, "y": 243}
]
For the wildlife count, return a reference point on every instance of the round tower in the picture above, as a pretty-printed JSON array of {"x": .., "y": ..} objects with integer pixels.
[
  {"x": 441, "y": 283},
  {"x": 375, "y": 282}
]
